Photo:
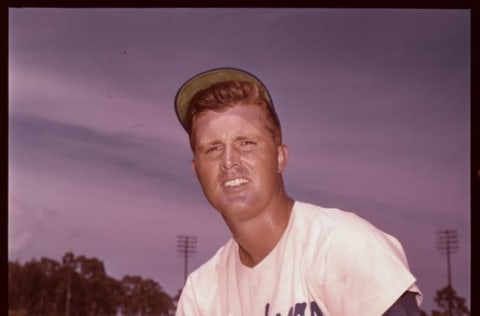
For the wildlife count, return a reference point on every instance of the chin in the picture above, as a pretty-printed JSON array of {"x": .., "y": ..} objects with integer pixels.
[{"x": 237, "y": 206}]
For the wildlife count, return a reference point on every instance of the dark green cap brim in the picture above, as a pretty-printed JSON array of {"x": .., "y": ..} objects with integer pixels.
[{"x": 203, "y": 81}]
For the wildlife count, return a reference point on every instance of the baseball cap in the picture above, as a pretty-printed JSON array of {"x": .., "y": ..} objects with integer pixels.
[{"x": 204, "y": 80}]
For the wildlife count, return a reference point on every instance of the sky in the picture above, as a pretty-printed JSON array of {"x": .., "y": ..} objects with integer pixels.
[{"x": 374, "y": 105}]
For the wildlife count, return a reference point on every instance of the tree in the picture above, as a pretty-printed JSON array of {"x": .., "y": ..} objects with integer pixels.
[
  {"x": 448, "y": 300},
  {"x": 102, "y": 292},
  {"x": 50, "y": 269},
  {"x": 15, "y": 289},
  {"x": 144, "y": 297},
  {"x": 71, "y": 291},
  {"x": 80, "y": 286},
  {"x": 34, "y": 285}
]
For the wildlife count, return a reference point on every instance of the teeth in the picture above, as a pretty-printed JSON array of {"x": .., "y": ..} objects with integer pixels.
[{"x": 235, "y": 182}]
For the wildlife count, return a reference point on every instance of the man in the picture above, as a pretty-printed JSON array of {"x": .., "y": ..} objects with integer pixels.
[{"x": 286, "y": 257}]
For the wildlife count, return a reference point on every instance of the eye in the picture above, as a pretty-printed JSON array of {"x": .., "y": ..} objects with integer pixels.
[
  {"x": 247, "y": 143},
  {"x": 212, "y": 149}
]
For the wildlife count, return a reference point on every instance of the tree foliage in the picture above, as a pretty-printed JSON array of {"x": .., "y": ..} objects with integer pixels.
[
  {"x": 448, "y": 301},
  {"x": 81, "y": 286}
]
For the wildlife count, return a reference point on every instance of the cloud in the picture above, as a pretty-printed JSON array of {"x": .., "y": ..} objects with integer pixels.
[{"x": 32, "y": 136}]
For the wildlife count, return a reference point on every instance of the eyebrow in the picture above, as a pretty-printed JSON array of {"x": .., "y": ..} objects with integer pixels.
[
  {"x": 217, "y": 142},
  {"x": 244, "y": 138},
  {"x": 209, "y": 144}
]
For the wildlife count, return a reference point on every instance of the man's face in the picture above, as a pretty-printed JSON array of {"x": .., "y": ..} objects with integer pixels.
[{"x": 237, "y": 161}]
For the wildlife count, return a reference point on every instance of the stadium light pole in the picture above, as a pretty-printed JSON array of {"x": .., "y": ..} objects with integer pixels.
[
  {"x": 186, "y": 246},
  {"x": 447, "y": 243}
]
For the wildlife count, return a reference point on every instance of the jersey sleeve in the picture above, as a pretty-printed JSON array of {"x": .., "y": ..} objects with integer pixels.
[
  {"x": 200, "y": 294},
  {"x": 362, "y": 271},
  {"x": 187, "y": 305}
]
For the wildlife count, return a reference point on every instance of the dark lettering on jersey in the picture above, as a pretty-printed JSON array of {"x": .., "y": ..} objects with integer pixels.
[{"x": 299, "y": 309}]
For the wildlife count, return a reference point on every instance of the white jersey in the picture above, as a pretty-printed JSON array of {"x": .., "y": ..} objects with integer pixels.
[{"x": 328, "y": 262}]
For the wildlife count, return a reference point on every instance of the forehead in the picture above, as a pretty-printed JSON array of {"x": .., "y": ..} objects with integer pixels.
[{"x": 233, "y": 121}]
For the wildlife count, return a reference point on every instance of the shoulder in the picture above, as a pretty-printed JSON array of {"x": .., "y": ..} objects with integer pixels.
[
  {"x": 318, "y": 219},
  {"x": 208, "y": 271},
  {"x": 326, "y": 214},
  {"x": 354, "y": 260},
  {"x": 334, "y": 230}
]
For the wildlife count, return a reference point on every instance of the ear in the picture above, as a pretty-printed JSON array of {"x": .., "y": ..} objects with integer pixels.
[
  {"x": 194, "y": 168},
  {"x": 282, "y": 157}
]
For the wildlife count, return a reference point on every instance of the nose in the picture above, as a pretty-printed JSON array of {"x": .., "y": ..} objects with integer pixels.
[{"x": 229, "y": 159}]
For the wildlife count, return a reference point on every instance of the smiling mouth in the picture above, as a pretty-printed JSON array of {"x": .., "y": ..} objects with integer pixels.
[{"x": 235, "y": 182}]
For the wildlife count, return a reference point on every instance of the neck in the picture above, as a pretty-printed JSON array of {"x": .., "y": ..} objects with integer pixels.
[{"x": 258, "y": 236}]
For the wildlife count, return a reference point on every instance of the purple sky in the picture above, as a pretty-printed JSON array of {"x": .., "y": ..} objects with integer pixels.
[{"x": 375, "y": 107}]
